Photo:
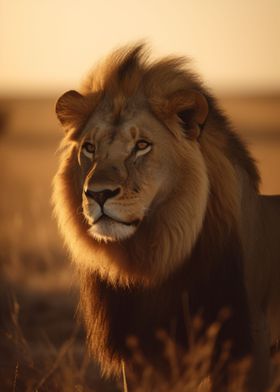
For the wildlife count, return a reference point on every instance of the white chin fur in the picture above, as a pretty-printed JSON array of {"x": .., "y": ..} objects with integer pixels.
[{"x": 111, "y": 231}]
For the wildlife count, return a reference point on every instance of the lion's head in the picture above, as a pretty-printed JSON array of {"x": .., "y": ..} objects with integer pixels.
[{"x": 137, "y": 176}]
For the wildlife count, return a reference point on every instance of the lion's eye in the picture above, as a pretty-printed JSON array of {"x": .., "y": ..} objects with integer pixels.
[
  {"x": 88, "y": 149},
  {"x": 142, "y": 145}
]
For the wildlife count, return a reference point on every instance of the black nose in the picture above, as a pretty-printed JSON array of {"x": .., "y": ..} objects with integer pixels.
[{"x": 101, "y": 196}]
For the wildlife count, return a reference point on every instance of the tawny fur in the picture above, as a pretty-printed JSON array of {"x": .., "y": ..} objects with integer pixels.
[{"x": 169, "y": 252}]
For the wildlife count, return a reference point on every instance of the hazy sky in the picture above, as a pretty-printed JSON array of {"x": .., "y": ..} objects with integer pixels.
[{"x": 46, "y": 46}]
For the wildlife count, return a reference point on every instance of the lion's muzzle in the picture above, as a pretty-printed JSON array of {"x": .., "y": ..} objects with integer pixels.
[{"x": 108, "y": 216}]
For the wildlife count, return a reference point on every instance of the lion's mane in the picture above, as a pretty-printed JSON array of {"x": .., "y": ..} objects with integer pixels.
[{"x": 122, "y": 294}]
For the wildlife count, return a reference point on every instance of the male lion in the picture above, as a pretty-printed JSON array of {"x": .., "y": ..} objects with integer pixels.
[{"x": 157, "y": 198}]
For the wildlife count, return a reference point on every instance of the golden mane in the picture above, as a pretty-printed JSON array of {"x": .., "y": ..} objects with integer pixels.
[{"x": 135, "y": 286}]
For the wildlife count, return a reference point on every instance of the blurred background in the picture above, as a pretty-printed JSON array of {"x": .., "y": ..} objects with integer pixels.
[{"x": 46, "y": 48}]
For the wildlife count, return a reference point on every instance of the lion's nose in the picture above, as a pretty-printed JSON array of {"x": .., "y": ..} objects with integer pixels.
[{"x": 101, "y": 196}]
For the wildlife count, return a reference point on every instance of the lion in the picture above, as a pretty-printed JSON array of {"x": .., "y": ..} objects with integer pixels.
[{"x": 157, "y": 198}]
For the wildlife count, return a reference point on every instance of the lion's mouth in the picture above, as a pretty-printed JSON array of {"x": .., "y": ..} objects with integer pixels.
[
  {"x": 107, "y": 228},
  {"x": 106, "y": 218}
]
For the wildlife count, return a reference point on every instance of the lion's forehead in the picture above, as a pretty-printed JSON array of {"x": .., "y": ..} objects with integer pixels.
[{"x": 116, "y": 141}]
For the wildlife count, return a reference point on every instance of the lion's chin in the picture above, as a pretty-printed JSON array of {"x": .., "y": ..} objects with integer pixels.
[{"x": 108, "y": 230}]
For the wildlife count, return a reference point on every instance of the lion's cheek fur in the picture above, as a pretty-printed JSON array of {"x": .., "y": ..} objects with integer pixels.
[{"x": 178, "y": 222}]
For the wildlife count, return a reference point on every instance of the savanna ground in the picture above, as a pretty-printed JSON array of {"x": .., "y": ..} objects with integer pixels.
[{"x": 42, "y": 345}]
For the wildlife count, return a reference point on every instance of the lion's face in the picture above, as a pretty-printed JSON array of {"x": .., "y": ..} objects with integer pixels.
[
  {"x": 132, "y": 188},
  {"x": 127, "y": 171}
]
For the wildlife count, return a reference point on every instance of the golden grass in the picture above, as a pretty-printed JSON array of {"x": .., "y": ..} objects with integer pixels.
[
  {"x": 44, "y": 367},
  {"x": 190, "y": 372},
  {"x": 67, "y": 368}
]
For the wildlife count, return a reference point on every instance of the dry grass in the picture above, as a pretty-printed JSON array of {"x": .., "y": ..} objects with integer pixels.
[
  {"x": 38, "y": 364},
  {"x": 190, "y": 372},
  {"x": 41, "y": 365}
]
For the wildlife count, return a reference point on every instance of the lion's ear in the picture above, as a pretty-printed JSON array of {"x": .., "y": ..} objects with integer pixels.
[
  {"x": 189, "y": 108},
  {"x": 72, "y": 110},
  {"x": 192, "y": 110}
]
